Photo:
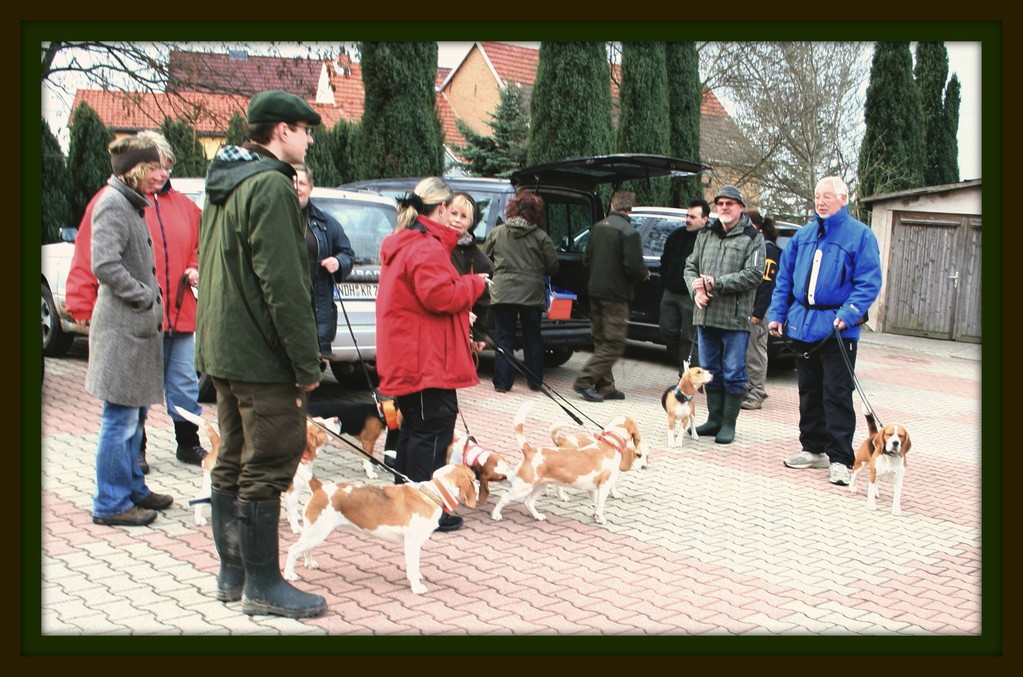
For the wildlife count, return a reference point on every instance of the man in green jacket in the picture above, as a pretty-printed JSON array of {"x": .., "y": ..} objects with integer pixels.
[
  {"x": 614, "y": 255},
  {"x": 722, "y": 274},
  {"x": 256, "y": 338}
]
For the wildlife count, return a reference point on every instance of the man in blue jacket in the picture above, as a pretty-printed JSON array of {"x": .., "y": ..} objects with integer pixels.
[{"x": 830, "y": 273}]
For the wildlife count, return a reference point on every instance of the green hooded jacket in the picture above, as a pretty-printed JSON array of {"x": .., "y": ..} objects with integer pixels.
[{"x": 255, "y": 319}]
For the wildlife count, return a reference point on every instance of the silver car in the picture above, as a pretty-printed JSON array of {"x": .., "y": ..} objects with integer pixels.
[{"x": 366, "y": 219}]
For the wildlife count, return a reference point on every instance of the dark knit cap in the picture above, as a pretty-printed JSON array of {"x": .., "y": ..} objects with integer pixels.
[
  {"x": 277, "y": 106},
  {"x": 730, "y": 192},
  {"x": 125, "y": 161}
]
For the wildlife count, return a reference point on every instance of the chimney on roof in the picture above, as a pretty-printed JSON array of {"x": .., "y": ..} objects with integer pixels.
[{"x": 237, "y": 55}]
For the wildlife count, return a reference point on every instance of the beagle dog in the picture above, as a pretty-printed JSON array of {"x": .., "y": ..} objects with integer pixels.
[
  {"x": 679, "y": 404},
  {"x": 488, "y": 466},
  {"x": 884, "y": 452},
  {"x": 210, "y": 460},
  {"x": 399, "y": 513},
  {"x": 564, "y": 437},
  {"x": 361, "y": 420},
  {"x": 315, "y": 442},
  {"x": 593, "y": 467}
]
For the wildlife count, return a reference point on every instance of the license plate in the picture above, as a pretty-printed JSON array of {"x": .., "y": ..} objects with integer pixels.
[{"x": 349, "y": 290}]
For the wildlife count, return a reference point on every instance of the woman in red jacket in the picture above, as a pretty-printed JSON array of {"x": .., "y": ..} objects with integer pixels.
[
  {"x": 423, "y": 339},
  {"x": 173, "y": 220}
]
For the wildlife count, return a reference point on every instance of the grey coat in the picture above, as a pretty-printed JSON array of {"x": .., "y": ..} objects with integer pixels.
[
  {"x": 126, "y": 334},
  {"x": 522, "y": 254}
]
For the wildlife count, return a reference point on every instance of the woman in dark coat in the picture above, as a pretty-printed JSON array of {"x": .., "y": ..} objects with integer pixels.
[
  {"x": 468, "y": 258},
  {"x": 523, "y": 254}
]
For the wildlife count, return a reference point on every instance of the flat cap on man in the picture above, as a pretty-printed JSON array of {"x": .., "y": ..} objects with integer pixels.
[
  {"x": 730, "y": 192},
  {"x": 277, "y": 106}
]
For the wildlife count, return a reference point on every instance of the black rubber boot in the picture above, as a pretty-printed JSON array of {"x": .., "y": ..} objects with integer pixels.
[
  {"x": 223, "y": 509},
  {"x": 731, "y": 412},
  {"x": 715, "y": 408},
  {"x": 266, "y": 591},
  {"x": 189, "y": 450}
]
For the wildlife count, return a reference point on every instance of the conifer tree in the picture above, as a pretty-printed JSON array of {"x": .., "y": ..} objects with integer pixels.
[
  {"x": 237, "y": 130},
  {"x": 950, "y": 161},
  {"x": 891, "y": 157},
  {"x": 685, "y": 98},
  {"x": 88, "y": 157},
  {"x": 931, "y": 73},
  {"x": 504, "y": 152},
  {"x": 570, "y": 108},
  {"x": 55, "y": 207},
  {"x": 400, "y": 133},
  {"x": 643, "y": 116},
  {"x": 190, "y": 160},
  {"x": 330, "y": 155}
]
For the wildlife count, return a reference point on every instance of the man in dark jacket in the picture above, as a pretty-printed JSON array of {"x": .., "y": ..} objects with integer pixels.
[
  {"x": 676, "y": 313},
  {"x": 614, "y": 255},
  {"x": 723, "y": 272},
  {"x": 331, "y": 258},
  {"x": 756, "y": 352},
  {"x": 256, "y": 338}
]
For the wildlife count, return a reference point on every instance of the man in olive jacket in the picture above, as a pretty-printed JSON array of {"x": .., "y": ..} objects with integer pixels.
[
  {"x": 256, "y": 338},
  {"x": 722, "y": 274},
  {"x": 614, "y": 255}
]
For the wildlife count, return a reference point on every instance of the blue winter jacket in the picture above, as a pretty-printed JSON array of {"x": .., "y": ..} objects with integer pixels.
[{"x": 848, "y": 278}]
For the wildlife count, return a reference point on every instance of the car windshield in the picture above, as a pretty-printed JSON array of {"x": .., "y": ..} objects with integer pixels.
[{"x": 365, "y": 223}]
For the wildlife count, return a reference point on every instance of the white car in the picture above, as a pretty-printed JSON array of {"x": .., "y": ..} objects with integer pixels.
[{"x": 366, "y": 219}]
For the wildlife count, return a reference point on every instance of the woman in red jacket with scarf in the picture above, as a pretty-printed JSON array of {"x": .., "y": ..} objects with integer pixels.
[
  {"x": 173, "y": 220},
  {"x": 423, "y": 337}
]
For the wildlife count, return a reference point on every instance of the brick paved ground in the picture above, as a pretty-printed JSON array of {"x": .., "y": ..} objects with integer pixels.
[{"x": 710, "y": 541}]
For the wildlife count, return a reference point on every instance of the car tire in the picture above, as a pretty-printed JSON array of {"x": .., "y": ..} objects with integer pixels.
[
  {"x": 352, "y": 375},
  {"x": 555, "y": 357},
  {"x": 56, "y": 342}
]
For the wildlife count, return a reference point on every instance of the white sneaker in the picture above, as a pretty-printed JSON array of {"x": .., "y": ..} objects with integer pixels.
[
  {"x": 839, "y": 474},
  {"x": 807, "y": 459}
]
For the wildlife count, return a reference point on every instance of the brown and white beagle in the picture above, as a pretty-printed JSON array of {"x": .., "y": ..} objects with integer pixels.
[
  {"x": 399, "y": 513},
  {"x": 884, "y": 452},
  {"x": 679, "y": 404},
  {"x": 488, "y": 466},
  {"x": 593, "y": 467},
  {"x": 315, "y": 442}
]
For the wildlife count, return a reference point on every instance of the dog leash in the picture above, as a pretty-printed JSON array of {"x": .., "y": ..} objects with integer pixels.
[
  {"x": 856, "y": 381},
  {"x": 544, "y": 388},
  {"x": 421, "y": 486}
]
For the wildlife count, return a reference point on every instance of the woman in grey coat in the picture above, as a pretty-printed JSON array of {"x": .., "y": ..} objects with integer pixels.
[
  {"x": 523, "y": 254},
  {"x": 126, "y": 335}
]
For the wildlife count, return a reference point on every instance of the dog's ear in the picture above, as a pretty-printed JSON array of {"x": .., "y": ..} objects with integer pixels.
[
  {"x": 467, "y": 487},
  {"x": 877, "y": 442},
  {"x": 905, "y": 441}
]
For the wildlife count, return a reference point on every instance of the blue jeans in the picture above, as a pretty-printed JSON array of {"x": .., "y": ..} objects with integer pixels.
[
  {"x": 723, "y": 353},
  {"x": 119, "y": 481},
  {"x": 180, "y": 383}
]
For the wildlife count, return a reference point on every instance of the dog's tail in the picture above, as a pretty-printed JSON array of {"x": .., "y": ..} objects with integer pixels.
[
  {"x": 871, "y": 424},
  {"x": 520, "y": 424},
  {"x": 210, "y": 429}
]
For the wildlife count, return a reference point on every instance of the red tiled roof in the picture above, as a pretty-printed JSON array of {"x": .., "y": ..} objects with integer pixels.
[
  {"x": 452, "y": 137},
  {"x": 244, "y": 74},
  {"x": 349, "y": 94},
  {"x": 209, "y": 114}
]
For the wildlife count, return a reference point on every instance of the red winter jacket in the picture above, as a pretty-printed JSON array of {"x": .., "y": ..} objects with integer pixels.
[
  {"x": 423, "y": 312},
  {"x": 173, "y": 220}
]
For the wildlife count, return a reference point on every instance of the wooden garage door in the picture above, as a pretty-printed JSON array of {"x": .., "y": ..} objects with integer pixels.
[{"x": 934, "y": 276}]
